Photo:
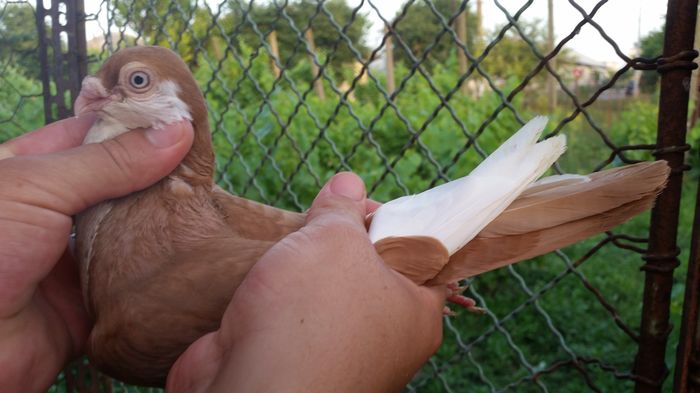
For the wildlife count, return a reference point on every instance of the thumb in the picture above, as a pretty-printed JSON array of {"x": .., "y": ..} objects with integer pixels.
[
  {"x": 342, "y": 198},
  {"x": 71, "y": 180}
]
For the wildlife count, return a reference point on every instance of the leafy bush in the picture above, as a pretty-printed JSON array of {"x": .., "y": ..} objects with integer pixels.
[{"x": 21, "y": 104}]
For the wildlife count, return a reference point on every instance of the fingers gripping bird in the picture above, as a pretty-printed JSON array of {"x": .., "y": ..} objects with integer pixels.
[{"x": 158, "y": 267}]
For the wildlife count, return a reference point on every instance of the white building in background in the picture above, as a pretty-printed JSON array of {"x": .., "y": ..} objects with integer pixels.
[{"x": 583, "y": 72}]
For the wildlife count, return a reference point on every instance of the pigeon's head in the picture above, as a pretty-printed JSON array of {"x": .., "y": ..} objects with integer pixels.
[{"x": 144, "y": 86}]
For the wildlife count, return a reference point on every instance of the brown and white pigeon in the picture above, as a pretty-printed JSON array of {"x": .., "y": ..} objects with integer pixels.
[{"x": 158, "y": 267}]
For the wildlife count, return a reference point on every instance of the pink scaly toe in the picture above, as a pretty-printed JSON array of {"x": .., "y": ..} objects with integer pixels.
[{"x": 454, "y": 295}]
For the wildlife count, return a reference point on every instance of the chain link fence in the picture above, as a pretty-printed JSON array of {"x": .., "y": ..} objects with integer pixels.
[
  {"x": 21, "y": 105},
  {"x": 411, "y": 98}
]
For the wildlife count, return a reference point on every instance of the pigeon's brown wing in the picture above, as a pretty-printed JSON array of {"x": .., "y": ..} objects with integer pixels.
[
  {"x": 552, "y": 216},
  {"x": 419, "y": 258},
  {"x": 146, "y": 324},
  {"x": 167, "y": 281},
  {"x": 253, "y": 220}
]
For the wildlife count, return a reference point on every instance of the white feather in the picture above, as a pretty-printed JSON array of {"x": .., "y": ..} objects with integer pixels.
[
  {"x": 548, "y": 182},
  {"x": 158, "y": 109},
  {"x": 567, "y": 178},
  {"x": 455, "y": 212}
]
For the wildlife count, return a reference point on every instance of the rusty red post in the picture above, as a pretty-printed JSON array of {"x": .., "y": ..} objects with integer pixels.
[
  {"x": 62, "y": 54},
  {"x": 662, "y": 257},
  {"x": 687, "y": 375}
]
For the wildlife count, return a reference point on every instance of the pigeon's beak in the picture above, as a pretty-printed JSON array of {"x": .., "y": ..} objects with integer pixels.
[{"x": 92, "y": 98}]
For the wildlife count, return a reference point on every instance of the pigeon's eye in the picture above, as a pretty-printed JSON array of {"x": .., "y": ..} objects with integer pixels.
[{"x": 139, "y": 80}]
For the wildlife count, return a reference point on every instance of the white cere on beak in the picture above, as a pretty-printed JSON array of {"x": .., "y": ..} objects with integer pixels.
[{"x": 93, "y": 96}]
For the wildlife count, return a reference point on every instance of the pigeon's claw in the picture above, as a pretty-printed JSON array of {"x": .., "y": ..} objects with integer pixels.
[{"x": 454, "y": 295}]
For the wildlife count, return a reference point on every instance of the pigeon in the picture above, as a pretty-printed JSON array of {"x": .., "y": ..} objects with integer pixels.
[{"x": 159, "y": 266}]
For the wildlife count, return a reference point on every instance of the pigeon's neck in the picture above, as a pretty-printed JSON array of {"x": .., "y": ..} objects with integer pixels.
[{"x": 197, "y": 168}]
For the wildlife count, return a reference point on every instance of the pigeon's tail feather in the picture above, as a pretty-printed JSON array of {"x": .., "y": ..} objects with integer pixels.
[
  {"x": 556, "y": 213},
  {"x": 455, "y": 212}
]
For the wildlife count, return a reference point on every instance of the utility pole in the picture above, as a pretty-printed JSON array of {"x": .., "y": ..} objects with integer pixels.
[
  {"x": 551, "y": 82},
  {"x": 272, "y": 38},
  {"x": 318, "y": 85},
  {"x": 462, "y": 35},
  {"x": 478, "y": 40},
  {"x": 389, "y": 57}
]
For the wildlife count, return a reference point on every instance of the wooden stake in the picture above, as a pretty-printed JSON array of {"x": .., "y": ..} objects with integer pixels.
[
  {"x": 551, "y": 88},
  {"x": 479, "y": 28},
  {"x": 318, "y": 85},
  {"x": 462, "y": 35},
  {"x": 272, "y": 38},
  {"x": 389, "y": 57}
]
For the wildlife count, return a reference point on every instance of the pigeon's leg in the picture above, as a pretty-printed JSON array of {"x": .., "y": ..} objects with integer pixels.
[{"x": 454, "y": 295}]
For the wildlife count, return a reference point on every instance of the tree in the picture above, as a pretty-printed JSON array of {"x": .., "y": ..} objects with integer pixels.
[
  {"x": 18, "y": 39},
  {"x": 651, "y": 45},
  {"x": 513, "y": 56},
  {"x": 180, "y": 24},
  {"x": 290, "y": 24},
  {"x": 421, "y": 25}
]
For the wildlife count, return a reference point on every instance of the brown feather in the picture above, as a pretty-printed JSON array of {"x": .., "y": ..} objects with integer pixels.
[
  {"x": 560, "y": 202},
  {"x": 163, "y": 270},
  {"x": 555, "y": 217},
  {"x": 419, "y": 258},
  {"x": 253, "y": 220}
]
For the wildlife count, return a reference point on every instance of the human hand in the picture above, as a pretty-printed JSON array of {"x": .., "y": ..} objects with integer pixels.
[
  {"x": 46, "y": 178},
  {"x": 319, "y": 312}
]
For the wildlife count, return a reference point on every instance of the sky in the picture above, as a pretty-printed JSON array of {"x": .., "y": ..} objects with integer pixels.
[{"x": 623, "y": 20}]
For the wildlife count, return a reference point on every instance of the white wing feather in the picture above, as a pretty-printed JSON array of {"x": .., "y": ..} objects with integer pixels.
[{"x": 455, "y": 212}]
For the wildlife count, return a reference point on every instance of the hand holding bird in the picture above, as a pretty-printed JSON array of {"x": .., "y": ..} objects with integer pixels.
[
  {"x": 47, "y": 178},
  {"x": 320, "y": 312},
  {"x": 55, "y": 326}
]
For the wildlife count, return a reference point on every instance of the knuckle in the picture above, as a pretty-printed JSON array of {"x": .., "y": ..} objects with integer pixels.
[
  {"x": 343, "y": 230},
  {"x": 297, "y": 244},
  {"x": 335, "y": 206}
]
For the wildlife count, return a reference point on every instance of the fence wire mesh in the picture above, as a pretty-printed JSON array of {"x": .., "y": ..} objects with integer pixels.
[
  {"x": 21, "y": 106},
  {"x": 298, "y": 90}
]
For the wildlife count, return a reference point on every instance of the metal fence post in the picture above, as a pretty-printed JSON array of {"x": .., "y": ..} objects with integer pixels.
[
  {"x": 687, "y": 371},
  {"x": 62, "y": 53},
  {"x": 662, "y": 258}
]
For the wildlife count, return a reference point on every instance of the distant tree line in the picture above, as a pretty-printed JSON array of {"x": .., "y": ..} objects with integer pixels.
[{"x": 339, "y": 32}]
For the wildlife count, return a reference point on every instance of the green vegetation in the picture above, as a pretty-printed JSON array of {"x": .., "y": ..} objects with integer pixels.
[
  {"x": 21, "y": 103},
  {"x": 278, "y": 142},
  {"x": 651, "y": 45}
]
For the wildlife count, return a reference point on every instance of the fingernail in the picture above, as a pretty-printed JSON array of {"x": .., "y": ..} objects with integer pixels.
[
  {"x": 348, "y": 185},
  {"x": 165, "y": 136}
]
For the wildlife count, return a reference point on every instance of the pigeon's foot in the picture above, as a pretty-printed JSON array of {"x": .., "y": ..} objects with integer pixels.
[{"x": 454, "y": 296}]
